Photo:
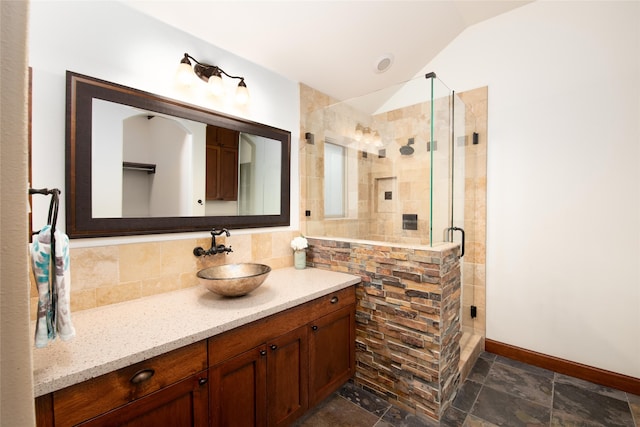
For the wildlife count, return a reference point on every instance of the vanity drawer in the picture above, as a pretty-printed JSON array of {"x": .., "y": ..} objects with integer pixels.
[
  {"x": 333, "y": 301},
  {"x": 101, "y": 394},
  {"x": 231, "y": 343}
]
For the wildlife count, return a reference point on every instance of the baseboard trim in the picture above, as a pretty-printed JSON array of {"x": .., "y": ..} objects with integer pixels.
[{"x": 567, "y": 367}]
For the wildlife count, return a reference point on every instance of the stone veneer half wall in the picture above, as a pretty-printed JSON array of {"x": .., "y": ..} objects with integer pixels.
[{"x": 407, "y": 318}]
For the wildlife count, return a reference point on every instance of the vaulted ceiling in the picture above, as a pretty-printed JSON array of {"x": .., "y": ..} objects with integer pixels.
[{"x": 332, "y": 46}]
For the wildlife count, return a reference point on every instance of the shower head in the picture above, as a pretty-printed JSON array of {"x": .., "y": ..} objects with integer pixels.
[{"x": 406, "y": 150}]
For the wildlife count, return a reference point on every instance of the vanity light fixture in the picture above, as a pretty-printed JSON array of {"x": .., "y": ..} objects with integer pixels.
[
  {"x": 367, "y": 135},
  {"x": 211, "y": 74}
]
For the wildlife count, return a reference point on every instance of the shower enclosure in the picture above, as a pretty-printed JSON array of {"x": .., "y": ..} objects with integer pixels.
[
  {"x": 388, "y": 166},
  {"x": 383, "y": 196}
]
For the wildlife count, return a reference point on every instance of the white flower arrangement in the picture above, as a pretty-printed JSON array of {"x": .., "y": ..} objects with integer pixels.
[{"x": 299, "y": 243}]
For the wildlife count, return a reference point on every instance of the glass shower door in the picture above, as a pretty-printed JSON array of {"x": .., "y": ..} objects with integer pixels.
[
  {"x": 446, "y": 148},
  {"x": 459, "y": 142}
]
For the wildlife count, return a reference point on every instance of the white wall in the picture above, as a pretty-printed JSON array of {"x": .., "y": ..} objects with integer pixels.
[
  {"x": 109, "y": 41},
  {"x": 563, "y": 184}
]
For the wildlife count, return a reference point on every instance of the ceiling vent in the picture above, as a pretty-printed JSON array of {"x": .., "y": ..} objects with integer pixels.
[{"x": 383, "y": 63}]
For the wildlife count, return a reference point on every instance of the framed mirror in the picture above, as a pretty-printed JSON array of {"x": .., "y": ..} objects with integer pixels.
[{"x": 139, "y": 163}]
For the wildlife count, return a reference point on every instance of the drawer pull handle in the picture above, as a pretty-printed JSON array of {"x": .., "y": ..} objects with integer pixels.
[
  {"x": 334, "y": 300},
  {"x": 263, "y": 352},
  {"x": 314, "y": 328},
  {"x": 203, "y": 381},
  {"x": 273, "y": 346},
  {"x": 142, "y": 376}
]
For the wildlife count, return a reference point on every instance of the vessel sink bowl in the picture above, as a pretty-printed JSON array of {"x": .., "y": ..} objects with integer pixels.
[{"x": 233, "y": 280}]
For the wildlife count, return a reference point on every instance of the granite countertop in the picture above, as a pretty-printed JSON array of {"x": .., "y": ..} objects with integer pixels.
[{"x": 114, "y": 336}]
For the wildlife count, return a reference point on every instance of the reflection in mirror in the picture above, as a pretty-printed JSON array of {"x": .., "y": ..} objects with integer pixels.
[
  {"x": 152, "y": 165},
  {"x": 138, "y": 163}
]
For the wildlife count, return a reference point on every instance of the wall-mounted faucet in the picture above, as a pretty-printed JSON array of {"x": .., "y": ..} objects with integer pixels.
[{"x": 214, "y": 249}]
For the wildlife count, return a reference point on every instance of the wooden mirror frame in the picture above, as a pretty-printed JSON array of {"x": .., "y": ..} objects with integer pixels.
[{"x": 81, "y": 90}]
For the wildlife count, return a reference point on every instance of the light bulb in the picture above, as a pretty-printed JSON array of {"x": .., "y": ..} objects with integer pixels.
[
  {"x": 366, "y": 135},
  {"x": 242, "y": 93},
  {"x": 184, "y": 74},
  {"x": 358, "y": 134},
  {"x": 377, "y": 139},
  {"x": 216, "y": 87}
]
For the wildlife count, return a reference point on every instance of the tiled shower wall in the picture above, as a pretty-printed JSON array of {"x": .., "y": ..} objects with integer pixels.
[
  {"x": 109, "y": 274},
  {"x": 407, "y": 319}
]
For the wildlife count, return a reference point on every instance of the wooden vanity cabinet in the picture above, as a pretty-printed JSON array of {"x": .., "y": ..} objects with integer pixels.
[
  {"x": 269, "y": 372},
  {"x": 265, "y": 373}
]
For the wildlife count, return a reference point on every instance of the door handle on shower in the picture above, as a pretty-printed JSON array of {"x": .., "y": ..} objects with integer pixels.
[{"x": 451, "y": 230}]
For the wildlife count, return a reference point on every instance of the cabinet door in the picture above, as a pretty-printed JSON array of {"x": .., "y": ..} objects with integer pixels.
[
  {"x": 237, "y": 391},
  {"x": 182, "y": 404},
  {"x": 287, "y": 377},
  {"x": 213, "y": 172},
  {"x": 222, "y": 164},
  {"x": 331, "y": 353},
  {"x": 229, "y": 173}
]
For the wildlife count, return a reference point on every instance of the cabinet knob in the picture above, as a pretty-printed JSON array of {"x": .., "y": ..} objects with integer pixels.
[
  {"x": 263, "y": 352},
  {"x": 334, "y": 300},
  {"x": 203, "y": 381},
  {"x": 314, "y": 328},
  {"x": 142, "y": 376},
  {"x": 273, "y": 346}
]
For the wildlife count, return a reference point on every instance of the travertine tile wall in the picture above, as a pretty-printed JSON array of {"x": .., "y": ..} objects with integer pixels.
[
  {"x": 407, "y": 319},
  {"x": 105, "y": 275}
]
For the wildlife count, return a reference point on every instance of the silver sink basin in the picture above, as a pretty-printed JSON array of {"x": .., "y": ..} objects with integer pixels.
[{"x": 233, "y": 280}]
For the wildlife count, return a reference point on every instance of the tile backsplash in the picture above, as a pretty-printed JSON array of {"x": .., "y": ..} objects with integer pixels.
[{"x": 105, "y": 275}]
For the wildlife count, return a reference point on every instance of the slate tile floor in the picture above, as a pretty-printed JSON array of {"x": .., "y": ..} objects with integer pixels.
[{"x": 497, "y": 392}]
